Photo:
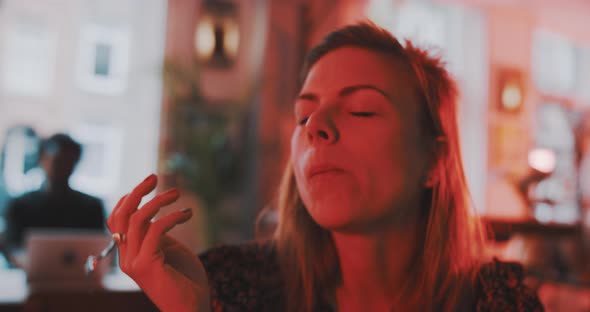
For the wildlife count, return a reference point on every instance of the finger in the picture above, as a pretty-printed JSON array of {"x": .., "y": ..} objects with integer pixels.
[
  {"x": 158, "y": 228},
  {"x": 140, "y": 221},
  {"x": 110, "y": 220},
  {"x": 130, "y": 204}
]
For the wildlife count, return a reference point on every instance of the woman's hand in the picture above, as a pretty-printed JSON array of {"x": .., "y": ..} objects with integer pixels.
[{"x": 170, "y": 275}]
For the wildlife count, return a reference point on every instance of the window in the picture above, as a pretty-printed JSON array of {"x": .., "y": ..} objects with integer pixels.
[{"x": 554, "y": 63}]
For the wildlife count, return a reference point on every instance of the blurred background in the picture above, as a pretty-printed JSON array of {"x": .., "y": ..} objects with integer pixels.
[{"x": 201, "y": 92}]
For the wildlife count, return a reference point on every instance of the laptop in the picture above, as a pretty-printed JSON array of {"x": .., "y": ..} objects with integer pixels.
[{"x": 55, "y": 259}]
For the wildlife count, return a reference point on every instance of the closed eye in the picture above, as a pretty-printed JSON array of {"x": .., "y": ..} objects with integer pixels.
[
  {"x": 303, "y": 121},
  {"x": 363, "y": 114}
]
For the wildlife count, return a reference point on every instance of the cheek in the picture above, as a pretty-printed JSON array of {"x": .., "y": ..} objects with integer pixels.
[
  {"x": 385, "y": 168},
  {"x": 390, "y": 170},
  {"x": 379, "y": 152}
]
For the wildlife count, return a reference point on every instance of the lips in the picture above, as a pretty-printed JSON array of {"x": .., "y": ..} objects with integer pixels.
[{"x": 315, "y": 170}]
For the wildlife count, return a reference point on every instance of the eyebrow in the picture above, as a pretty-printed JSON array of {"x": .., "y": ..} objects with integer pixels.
[{"x": 347, "y": 91}]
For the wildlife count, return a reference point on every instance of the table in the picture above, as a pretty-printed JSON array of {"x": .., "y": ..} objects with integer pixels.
[{"x": 120, "y": 293}]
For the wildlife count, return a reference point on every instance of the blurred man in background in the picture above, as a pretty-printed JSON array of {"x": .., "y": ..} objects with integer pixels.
[{"x": 55, "y": 205}]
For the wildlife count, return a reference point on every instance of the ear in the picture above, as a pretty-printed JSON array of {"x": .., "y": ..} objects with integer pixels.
[{"x": 435, "y": 162}]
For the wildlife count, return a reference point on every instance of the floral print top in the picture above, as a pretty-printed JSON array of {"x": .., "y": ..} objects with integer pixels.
[{"x": 247, "y": 278}]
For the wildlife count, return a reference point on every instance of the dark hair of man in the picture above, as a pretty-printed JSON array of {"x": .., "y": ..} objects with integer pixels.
[{"x": 60, "y": 142}]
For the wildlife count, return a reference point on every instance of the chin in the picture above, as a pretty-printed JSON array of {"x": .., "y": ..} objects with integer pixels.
[
  {"x": 334, "y": 205},
  {"x": 334, "y": 215},
  {"x": 355, "y": 219}
]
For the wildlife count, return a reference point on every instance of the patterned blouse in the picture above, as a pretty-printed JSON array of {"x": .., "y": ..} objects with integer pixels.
[{"x": 247, "y": 278}]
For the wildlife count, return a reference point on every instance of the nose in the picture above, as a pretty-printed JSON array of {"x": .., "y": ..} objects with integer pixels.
[{"x": 321, "y": 128}]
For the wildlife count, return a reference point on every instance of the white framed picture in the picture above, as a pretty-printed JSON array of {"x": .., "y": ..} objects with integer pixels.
[
  {"x": 98, "y": 171},
  {"x": 103, "y": 59},
  {"x": 29, "y": 52},
  {"x": 554, "y": 63}
]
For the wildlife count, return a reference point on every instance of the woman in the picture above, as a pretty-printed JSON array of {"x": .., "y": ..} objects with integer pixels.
[{"x": 373, "y": 210}]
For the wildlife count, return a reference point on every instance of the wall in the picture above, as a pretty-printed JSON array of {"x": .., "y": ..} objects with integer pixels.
[
  {"x": 134, "y": 113},
  {"x": 511, "y": 29},
  {"x": 510, "y": 40}
]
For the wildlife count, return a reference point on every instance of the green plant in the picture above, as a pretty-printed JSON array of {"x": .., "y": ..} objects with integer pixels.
[{"x": 202, "y": 149}]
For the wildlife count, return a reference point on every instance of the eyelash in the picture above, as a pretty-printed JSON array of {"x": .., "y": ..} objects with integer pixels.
[
  {"x": 357, "y": 114},
  {"x": 363, "y": 114}
]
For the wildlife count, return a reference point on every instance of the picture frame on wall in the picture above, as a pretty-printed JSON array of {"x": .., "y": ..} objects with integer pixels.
[
  {"x": 103, "y": 59},
  {"x": 29, "y": 53},
  {"x": 554, "y": 64}
]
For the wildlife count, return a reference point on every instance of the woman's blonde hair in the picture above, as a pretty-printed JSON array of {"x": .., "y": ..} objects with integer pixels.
[{"x": 453, "y": 239}]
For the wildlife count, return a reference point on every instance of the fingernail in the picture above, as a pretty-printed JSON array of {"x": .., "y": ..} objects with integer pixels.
[
  {"x": 150, "y": 177},
  {"x": 186, "y": 210},
  {"x": 170, "y": 193}
]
